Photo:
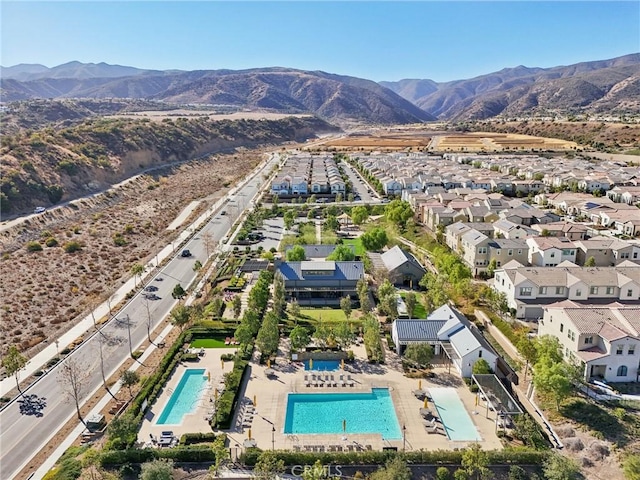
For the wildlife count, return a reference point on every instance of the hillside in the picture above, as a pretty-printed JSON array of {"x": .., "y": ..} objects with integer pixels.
[
  {"x": 331, "y": 97},
  {"x": 50, "y": 166},
  {"x": 605, "y": 86}
]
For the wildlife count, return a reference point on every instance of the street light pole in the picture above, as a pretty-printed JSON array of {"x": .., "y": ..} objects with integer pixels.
[{"x": 273, "y": 437}]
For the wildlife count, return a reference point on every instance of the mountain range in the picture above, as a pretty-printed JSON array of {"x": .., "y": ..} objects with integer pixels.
[{"x": 611, "y": 86}]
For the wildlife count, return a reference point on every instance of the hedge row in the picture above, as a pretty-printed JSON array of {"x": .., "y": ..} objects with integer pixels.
[
  {"x": 191, "y": 438},
  {"x": 179, "y": 454},
  {"x": 227, "y": 402},
  {"x": 508, "y": 456}
]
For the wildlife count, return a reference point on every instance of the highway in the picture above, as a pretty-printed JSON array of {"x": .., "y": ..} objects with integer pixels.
[{"x": 28, "y": 423}]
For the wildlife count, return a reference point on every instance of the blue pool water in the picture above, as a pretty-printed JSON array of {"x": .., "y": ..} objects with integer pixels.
[
  {"x": 184, "y": 398},
  {"x": 325, "y": 412},
  {"x": 453, "y": 415},
  {"x": 324, "y": 365}
]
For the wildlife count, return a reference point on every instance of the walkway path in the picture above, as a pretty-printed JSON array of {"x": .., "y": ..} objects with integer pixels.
[{"x": 319, "y": 232}]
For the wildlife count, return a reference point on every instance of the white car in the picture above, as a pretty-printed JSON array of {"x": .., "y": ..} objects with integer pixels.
[{"x": 39, "y": 210}]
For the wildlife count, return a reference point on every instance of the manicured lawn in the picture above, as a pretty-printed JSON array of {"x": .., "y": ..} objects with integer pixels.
[
  {"x": 357, "y": 245},
  {"x": 419, "y": 311},
  {"x": 326, "y": 314},
  {"x": 209, "y": 343}
]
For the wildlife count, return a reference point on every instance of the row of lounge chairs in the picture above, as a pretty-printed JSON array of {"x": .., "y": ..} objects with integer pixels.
[
  {"x": 231, "y": 341},
  {"x": 431, "y": 422},
  {"x": 247, "y": 416},
  {"x": 328, "y": 380},
  {"x": 332, "y": 448}
]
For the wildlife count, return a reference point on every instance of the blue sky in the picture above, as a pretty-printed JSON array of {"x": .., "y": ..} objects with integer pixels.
[{"x": 377, "y": 40}]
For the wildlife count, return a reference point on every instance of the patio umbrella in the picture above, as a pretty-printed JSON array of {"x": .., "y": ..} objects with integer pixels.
[
  {"x": 255, "y": 401},
  {"x": 426, "y": 402},
  {"x": 269, "y": 363},
  {"x": 209, "y": 376},
  {"x": 344, "y": 425},
  {"x": 342, "y": 364},
  {"x": 311, "y": 364},
  {"x": 222, "y": 364},
  {"x": 215, "y": 393},
  {"x": 419, "y": 384},
  {"x": 249, "y": 434}
]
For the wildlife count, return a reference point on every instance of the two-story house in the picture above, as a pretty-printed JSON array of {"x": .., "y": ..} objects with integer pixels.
[{"x": 550, "y": 251}]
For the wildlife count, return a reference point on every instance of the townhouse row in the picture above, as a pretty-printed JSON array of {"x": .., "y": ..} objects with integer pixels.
[{"x": 304, "y": 174}]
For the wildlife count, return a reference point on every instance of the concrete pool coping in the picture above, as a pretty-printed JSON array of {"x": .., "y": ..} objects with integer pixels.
[{"x": 271, "y": 396}]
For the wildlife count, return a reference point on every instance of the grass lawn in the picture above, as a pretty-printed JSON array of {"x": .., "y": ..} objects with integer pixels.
[
  {"x": 419, "y": 311},
  {"x": 209, "y": 343},
  {"x": 357, "y": 245},
  {"x": 327, "y": 314}
]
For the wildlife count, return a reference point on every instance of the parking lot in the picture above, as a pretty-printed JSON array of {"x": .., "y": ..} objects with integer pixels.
[{"x": 272, "y": 231}]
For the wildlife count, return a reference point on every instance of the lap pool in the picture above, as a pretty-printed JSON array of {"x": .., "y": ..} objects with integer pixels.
[
  {"x": 184, "y": 398},
  {"x": 336, "y": 413},
  {"x": 453, "y": 415},
  {"x": 322, "y": 365}
]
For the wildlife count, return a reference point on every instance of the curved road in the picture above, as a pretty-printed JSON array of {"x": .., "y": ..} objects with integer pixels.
[{"x": 28, "y": 423}]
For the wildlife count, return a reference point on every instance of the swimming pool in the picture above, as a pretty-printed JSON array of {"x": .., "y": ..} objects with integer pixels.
[
  {"x": 323, "y": 365},
  {"x": 314, "y": 413},
  {"x": 453, "y": 415},
  {"x": 184, "y": 398}
]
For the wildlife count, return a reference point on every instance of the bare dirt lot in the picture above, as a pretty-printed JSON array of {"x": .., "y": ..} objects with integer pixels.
[
  {"x": 45, "y": 289},
  {"x": 159, "y": 115}
]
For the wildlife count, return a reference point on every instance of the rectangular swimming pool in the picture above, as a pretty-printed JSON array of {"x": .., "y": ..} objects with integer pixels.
[
  {"x": 184, "y": 398},
  {"x": 336, "y": 413},
  {"x": 453, "y": 415},
  {"x": 322, "y": 365}
]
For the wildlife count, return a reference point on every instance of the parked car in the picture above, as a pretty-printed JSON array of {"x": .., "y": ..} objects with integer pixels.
[
  {"x": 185, "y": 253},
  {"x": 39, "y": 210}
]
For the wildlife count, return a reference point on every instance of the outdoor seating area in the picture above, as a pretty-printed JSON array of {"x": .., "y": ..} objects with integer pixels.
[
  {"x": 231, "y": 341},
  {"x": 246, "y": 413},
  {"x": 328, "y": 380},
  {"x": 350, "y": 447},
  {"x": 118, "y": 407},
  {"x": 167, "y": 439}
]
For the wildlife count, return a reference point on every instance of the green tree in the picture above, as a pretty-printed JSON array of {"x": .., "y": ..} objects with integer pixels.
[
  {"x": 395, "y": 469},
  {"x": 410, "y": 301},
  {"x": 160, "y": 469},
  {"x": 178, "y": 292},
  {"x": 289, "y": 218},
  {"x": 268, "y": 335},
  {"x": 553, "y": 381},
  {"x": 13, "y": 361},
  {"x": 436, "y": 294},
  {"x": 344, "y": 334},
  {"x": 243, "y": 333},
  {"x": 342, "y": 253},
  {"x": 279, "y": 302},
  {"x": 322, "y": 334},
  {"x": 331, "y": 223},
  {"x": 338, "y": 197},
  {"x": 122, "y": 431},
  {"x": 299, "y": 337},
  {"x": 374, "y": 240},
  {"x": 197, "y": 266},
  {"x": 294, "y": 308},
  {"x": 516, "y": 472},
  {"x": 345, "y": 305},
  {"x": 180, "y": 316},
  {"x": 631, "y": 467},
  {"x": 128, "y": 379},
  {"x": 359, "y": 214},
  {"x": 590, "y": 262},
  {"x": 268, "y": 466},
  {"x": 398, "y": 212},
  {"x": 136, "y": 270},
  {"x": 316, "y": 472},
  {"x": 237, "y": 306},
  {"x": 296, "y": 254},
  {"x": 527, "y": 349},
  {"x": 460, "y": 474},
  {"x": 559, "y": 467},
  {"x": 419, "y": 354},
  {"x": 221, "y": 452},
  {"x": 73, "y": 380},
  {"x": 481, "y": 367},
  {"x": 442, "y": 473},
  {"x": 491, "y": 268},
  {"x": 475, "y": 461}
]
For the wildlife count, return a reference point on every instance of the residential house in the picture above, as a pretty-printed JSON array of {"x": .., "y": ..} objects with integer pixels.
[
  {"x": 551, "y": 251},
  {"x": 572, "y": 231},
  {"x": 605, "y": 341},
  {"x": 402, "y": 267},
  {"x": 529, "y": 289}
]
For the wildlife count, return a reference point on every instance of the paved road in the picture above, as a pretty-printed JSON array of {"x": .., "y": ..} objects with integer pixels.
[
  {"x": 29, "y": 423},
  {"x": 360, "y": 187}
]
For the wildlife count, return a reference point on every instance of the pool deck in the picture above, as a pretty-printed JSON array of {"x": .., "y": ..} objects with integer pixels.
[{"x": 270, "y": 394}]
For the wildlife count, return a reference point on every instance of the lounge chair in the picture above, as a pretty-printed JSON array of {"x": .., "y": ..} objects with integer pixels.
[
  {"x": 333, "y": 381},
  {"x": 327, "y": 380},
  {"x": 350, "y": 381},
  {"x": 433, "y": 429},
  {"x": 342, "y": 383},
  {"x": 227, "y": 341},
  {"x": 368, "y": 447},
  {"x": 307, "y": 383}
]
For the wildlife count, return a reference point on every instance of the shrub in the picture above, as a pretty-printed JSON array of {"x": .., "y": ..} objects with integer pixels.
[
  {"x": 33, "y": 246},
  {"x": 51, "y": 242},
  {"x": 227, "y": 357},
  {"x": 136, "y": 354},
  {"x": 573, "y": 444},
  {"x": 193, "y": 438},
  {"x": 71, "y": 247}
]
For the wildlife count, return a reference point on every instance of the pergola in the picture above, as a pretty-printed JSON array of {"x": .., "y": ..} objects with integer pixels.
[{"x": 497, "y": 397}]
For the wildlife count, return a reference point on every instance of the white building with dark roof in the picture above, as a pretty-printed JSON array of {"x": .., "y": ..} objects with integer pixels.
[{"x": 450, "y": 333}]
